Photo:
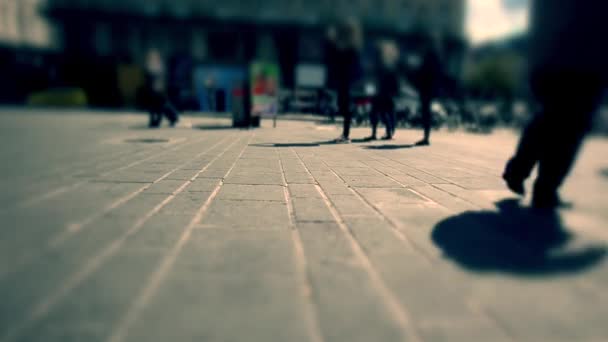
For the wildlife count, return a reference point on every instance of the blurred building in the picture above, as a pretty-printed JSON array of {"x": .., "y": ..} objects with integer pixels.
[
  {"x": 95, "y": 38},
  {"x": 27, "y": 36}
]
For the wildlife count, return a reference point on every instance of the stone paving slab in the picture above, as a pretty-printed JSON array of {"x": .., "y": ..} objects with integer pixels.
[{"x": 116, "y": 233}]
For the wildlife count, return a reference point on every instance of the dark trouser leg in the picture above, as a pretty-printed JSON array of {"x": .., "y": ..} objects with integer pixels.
[
  {"x": 554, "y": 136},
  {"x": 528, "y": 150},
  {"x": 170, "y": 112},
  {"x": 568, "y": 119},
  {"x": 373, "y": 119},
  {"x": 393, "y": 121},
  {"x": 155, "y": 118},
  {"x": 390, "y": 119},
  {"x": 425, "y": 109},
  {"x": 344, "y": 109}
]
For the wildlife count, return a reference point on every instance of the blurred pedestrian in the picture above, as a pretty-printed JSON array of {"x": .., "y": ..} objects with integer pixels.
[
  {"x": 327, "y": 95},
  {"x": 156, "y": 91},
  {"x": 211, "y": 92},
  {"x": 567, "y": 62},
  {"x": 387, "y": 88},
  {"x": 347, "y": 44},
  {"x": 427, "y": 79}
]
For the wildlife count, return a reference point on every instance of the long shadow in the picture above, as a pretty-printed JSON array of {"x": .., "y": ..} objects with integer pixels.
[
  {"x": 389, "y": 147},
  {"x": 217, "y": 127},
  {"x": 303, "y": 144},
  {"x": 361, "y": 141},
  {"x": 514, "y": 240}
]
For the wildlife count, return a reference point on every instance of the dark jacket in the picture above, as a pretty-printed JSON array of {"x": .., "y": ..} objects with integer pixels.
[
  {"x": 387, "y": 82},
  {"x": 428, "y": 77},
  {"x": 346, "y": 68}
]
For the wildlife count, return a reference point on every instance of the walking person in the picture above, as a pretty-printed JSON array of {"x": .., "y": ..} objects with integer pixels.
[
  {"x": 156, "y": 98},
  {"x": 567, "y": 76},
  {"x": 347, "y": 45},
  {"x": 327, "y": 95},
  {"x": 427, "y": 81},
  {"x": 387, "y": 88}
]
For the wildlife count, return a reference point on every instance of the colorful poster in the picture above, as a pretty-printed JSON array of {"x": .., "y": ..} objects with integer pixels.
[{"x": 264, "y": 88}]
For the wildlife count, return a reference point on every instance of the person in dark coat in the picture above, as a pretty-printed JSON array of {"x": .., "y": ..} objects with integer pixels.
[
  {"x": 327, "y": 95},
  {"x": 567, "y": 63},
  {"x": 346, "y": 62},
  {"x": 156, "y": 97},
  {"x": 427, "y": 83}
]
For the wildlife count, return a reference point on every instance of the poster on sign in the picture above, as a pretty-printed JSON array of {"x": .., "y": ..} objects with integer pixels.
[{"x": 264, "y": 89}]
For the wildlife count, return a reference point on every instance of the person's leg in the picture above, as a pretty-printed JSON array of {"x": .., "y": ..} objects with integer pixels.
[
  {"x": 344, "y": 109},
  {"x": 154, "y": 119},
  {"x": 425, "y": 111},
  {"x": 528, "y": 151},
  {"x": 568, "y": 119},
  {"x": 331, "y": 106},
  {"x": 171, "y": 113},
  {"x": 390, "y": 118},
  {"x": 520, "y": 166},
  {"x": 393, "y": 121},
  {"x": 152, "y": 107},
  {"x": 374, "y": 118}
]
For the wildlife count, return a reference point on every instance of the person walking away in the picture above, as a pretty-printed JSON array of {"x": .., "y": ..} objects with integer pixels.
[
  {"x": 427, "y": 82},
  {"x": 348, "y": 42},
  {"x": 568, "y": 71},
  {"x": 387, "y": 88},
  {"x": 157, "y": 102}
]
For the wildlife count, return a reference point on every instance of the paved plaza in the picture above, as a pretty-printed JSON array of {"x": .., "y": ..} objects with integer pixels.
[{"x": 113, "y": 232}]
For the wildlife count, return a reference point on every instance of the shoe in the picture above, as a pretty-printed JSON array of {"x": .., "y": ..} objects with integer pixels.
[
  {"x": 370, "y": 138},
  {"x": 387, "y": 137},
  {"x": 342, "y": 140},
  {"x": 423, "y": 142},
  {"x": 514, "y": 183}
]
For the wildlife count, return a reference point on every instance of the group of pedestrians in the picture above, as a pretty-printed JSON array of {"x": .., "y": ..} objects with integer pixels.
[
  {"x": 343, "y": 61},
  {"x": 568, "y": 73}
]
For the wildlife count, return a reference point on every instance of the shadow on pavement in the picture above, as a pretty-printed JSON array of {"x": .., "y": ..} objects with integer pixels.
[
  {"x": 147, "y": 140},
  {"x": 604, "y": 172},
  {"x": 217, "y": 127},
  {"x": 514, "y": 240},
  {"x": 389, "y": 147},
  {"x": 304, "y": 144}
]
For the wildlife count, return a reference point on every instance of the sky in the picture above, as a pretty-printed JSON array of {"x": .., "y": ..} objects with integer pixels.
[{"x": 489, "y": 20}]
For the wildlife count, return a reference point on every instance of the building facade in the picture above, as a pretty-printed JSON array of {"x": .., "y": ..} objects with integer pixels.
[{"x": 100, "y": 34}]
